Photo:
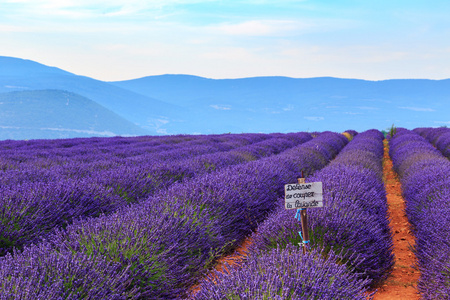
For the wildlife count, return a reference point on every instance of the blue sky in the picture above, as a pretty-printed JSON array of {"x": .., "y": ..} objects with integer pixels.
[{"x": 126, "y": 39}]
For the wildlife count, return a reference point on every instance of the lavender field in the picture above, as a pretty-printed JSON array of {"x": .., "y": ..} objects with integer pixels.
[{"x": 148, "y": 217}]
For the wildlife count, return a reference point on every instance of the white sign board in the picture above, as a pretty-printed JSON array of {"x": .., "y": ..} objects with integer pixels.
[{"x": 303, "y": 195}]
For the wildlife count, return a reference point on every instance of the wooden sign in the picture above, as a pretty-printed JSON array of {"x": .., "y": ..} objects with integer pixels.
[{"x": 303, "y": 195}]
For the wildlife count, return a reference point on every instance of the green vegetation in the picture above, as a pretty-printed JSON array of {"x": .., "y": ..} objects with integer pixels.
[{"x": 392, "y": 131}]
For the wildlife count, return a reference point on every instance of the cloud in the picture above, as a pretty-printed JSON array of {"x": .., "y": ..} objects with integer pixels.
[
  {"x": 352, "y": 113},
  {"x": 162, "y": 121},
  {"x": 314, "y": 118},
  {"x": 368, "y": 108},
  {"x": 13, "y": 28},
  {"x": 15, "y": 87},
  {"x": 221, "y": 39},
  {"x": 259, "y": 28},
  {"x": 221, "y": 107},
  {"x": 229, "y": 53},
  {"x": 417, "y": 108},
  {"x": 289, "y": 107},
  {"x": 76, "y": 9},
  {"x": 92, "y": 3},
  {"x": 161, "y": 131},
  {"x": 261, "y": 2}
]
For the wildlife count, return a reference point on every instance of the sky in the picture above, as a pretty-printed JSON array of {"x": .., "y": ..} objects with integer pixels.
[{"x": 126, "y": 39}]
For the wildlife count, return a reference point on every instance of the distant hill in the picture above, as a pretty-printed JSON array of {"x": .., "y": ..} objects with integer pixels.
[
  {"x": 288, "y": 104},
  {"x": 185, "y": 104},
  {"x": 44, "y": 114},
  {"x": 19, "y": 75},
  {"x": 11, "y": 67}
]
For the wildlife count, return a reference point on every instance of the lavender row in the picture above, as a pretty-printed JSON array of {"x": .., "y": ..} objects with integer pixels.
[
  {"x": 425, "y": 177},
  {"x": 88, "y": 149},
  {"x": 118, "y": 145},
  {"x": 33, "y": 201},
  {"x": 352, "y": 227},
  {"x": 143, "y": 180},
  {"x": 215, "y": 211},
  {"x": 439, "y": 137},
  {"x": 158, "y": 248},
  {"x": 37, "y": 176},
  {"x": 80, "y": 159},
  {"x": 286, "y": 274},
  {"x": 32, "y": 209}
]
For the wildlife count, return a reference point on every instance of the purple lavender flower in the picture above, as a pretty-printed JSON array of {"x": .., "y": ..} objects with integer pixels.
[
  {"x": 163, "y": 244},
  {"x": 285, "y": 274},
  {"x": 425, "y": 178},
  {"x": 353, "y": 221}
]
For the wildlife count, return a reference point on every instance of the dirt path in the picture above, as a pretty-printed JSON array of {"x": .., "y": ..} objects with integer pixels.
[
  {"x": 401, "y": 284},
  {"x": 233, "y": 259}
]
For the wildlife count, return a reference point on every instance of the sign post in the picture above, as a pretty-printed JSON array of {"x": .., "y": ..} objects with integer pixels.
[{"x": 300, "y": 196}]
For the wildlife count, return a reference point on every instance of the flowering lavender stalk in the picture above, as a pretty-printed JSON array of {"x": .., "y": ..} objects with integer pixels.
[
  {"x": 439, "y": 137},
  {"x": 285, "y": 274},
  {"x": 42, "y": 273},
  {"x": 34, "y": 205},
  {"x": 61, "y": 156},
  {"x": 30, "y": 210},
  {"x": 354, "y": 219},
  {"x": 425, "y": 176},
  {"x": 166, "y": 242},
  {"x": 143, "y": 180}
]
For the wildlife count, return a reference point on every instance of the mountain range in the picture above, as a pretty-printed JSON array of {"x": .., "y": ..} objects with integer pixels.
[{"x": 38, "y": 101}]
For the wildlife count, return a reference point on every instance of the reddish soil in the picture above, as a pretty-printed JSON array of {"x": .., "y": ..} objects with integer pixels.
[
  {"x": 401, "y": 284},
  {"x": 236, "y": 258}
]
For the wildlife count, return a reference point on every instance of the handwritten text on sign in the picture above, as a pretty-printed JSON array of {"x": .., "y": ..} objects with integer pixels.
[{"x": 303, "y": 195}]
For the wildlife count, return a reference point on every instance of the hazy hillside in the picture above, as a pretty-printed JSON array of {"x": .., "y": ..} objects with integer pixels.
[
  {"x": 58, "y": 114},
  {"x": 11, "y": 67},
  {"x": 184, "y": 104},
  {"x": 284, "y": 104},
  {"x": 144, "y": 111}
]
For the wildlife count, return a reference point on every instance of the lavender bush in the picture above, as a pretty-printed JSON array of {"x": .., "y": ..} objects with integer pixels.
[
  {"x": 425, "y": 176},
  {"x": 439, "y": 137},
  {"x": 42, "y": 273},
  {"x": 354, "y": 219},
  {"x": 30, "y": 210},
  {"x": 285, "y": 274},
  {"x": 166, "y": 242},
  {"x": 35, "y": 201}
]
